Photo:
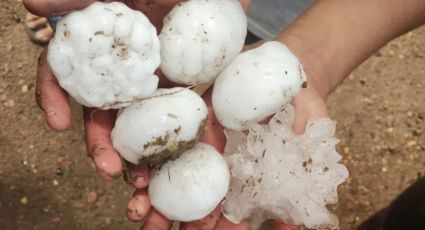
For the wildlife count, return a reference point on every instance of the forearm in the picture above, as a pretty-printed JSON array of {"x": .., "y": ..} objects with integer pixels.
[{"x": 335, "y": 36}]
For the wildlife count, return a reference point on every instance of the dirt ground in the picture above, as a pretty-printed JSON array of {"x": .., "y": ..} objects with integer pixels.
[{"x": 48, "y": 182}]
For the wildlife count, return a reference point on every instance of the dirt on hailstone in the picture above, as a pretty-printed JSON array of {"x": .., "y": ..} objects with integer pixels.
[{"x": 48, "y": 182}]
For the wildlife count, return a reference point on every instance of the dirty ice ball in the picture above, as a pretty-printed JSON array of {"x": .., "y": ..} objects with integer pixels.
[
  {"x": 161, "y": 127},
  {"x": 258, "y": 83},
  {"x": 200, "y": 38},
  {"x": 105, "y": 55},
  {"x": 190, "y": 187}
]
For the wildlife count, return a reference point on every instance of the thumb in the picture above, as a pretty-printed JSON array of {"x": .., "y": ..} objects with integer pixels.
[
  {"x": 308, "y": 105},
  {"x": 49, "y": 8}
]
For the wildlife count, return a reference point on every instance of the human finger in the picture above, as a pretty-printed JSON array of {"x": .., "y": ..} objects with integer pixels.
[
  {"x": 139, "y": 176},
  {"x": 156, "y": 221},
  {"x": 207, "y": 223},
  {"x": 224, "y": 224},
  {"x": 47, "y": 8},
  {"x": 51, "y": 98},
  {"x": 34, "y": 22},
  {"x": 139, "y": 205},
  {"x": 278, "y": 225},
  {"x": 213, "y": 134},
  {"x": 98, "y": 125},
  {"x": 308, "y": 105}
]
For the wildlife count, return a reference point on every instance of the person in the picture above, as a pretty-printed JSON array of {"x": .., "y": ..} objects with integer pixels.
[
  {"x": 38, "y": 29},
  {"x": 331, "y": 38}
]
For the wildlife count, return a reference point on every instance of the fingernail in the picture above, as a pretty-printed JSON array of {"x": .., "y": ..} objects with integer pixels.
[
  {"x": 141, "y": 181},
  {"x": 56, "y": 119},
  {"x": 108, "y": 163},
  {"x": 138, "y": 207},
  {"x": 108, "y": 176}
]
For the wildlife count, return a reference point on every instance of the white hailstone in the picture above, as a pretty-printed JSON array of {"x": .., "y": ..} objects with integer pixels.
[
  {"x": 161, "y": 127},
  {"x": 200, "y": 38},
  {"x": 257, "y": 84},
  {"x": 105, "y": 55},
  {"x": 277, "y": 174},
  {"x": 190, "y": 187}
]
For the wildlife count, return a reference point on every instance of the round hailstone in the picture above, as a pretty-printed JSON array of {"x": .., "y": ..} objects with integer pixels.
[
  {"x": 200, "y": 38},
  {"x": 278, "y": 174},
  {"x": 190, "y": 187},
  {"x": 161, "y": 127},
  {"x": 105, "y": 55},
  {"x": 257, "y": 84}
]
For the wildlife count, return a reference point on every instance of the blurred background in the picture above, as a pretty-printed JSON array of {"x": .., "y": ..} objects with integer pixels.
[{"x": 48, "y": 182}]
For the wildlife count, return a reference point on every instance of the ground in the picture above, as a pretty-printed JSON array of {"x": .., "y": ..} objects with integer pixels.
[{"x": 48, "y": 182}]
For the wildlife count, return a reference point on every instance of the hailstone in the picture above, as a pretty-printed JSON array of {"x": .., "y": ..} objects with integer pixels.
[
  {"x": 105, "y": 55},
  {"x": 277, "y": 174},
  {"x": 190, "y": 187},
  {"x": 160, "y": 127},
  {"x": 257, "y": 84},
  {"x": 200, "y": 38}
]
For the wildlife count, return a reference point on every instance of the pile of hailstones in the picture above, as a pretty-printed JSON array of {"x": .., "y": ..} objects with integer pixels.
[{"x": 106, "y": 55}]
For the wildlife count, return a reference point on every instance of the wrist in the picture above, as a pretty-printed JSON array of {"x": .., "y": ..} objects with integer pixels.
[
  {"x": 314, "y": 68},
  {"x": 320, "y": 43},
  {"x": 335, "y": 36},
  {"x": 324, "y": 44}
]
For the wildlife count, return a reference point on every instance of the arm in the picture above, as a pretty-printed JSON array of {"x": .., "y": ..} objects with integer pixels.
[{"x": 335, "y": 36}]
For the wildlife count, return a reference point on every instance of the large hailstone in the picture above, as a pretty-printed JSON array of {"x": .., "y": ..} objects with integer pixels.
[
  {"x": 200, "y": 38},
  {"x": 277, "y": 174},
  {"x": 257, "y": 84},
  {"x": 105, "y": 55},
  {"x": 190, "y": 187},
  {"x": 160, "y": 127}
]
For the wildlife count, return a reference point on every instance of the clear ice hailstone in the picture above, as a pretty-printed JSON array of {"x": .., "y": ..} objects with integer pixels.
[
  {"x": 277, "y": 174},
  {"x": 190, "y": 187},
  {"x": 257, "y": 84},
  {"x": 160, "y": 127},
  {"x": 105, "y": 55},
  {"x": 200, "y": 38}
]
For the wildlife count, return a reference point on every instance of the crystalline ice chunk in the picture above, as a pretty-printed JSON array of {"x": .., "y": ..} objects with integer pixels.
[{"x": 277, "y": 174}]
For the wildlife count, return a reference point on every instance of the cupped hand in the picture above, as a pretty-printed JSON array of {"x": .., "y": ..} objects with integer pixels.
[
  {"x": 308, "y": 104},
  {"x": 54, "y": 101},
  {"x": 99, "y": 123}
]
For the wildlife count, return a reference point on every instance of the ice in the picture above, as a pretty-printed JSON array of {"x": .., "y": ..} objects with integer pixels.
[
  {"x": 277, "y": 174},
  {"x": 200, "y": 38},
  {"x": 105, "y": 55}
]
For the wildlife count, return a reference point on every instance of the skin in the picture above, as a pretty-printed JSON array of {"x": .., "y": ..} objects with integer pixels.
[
  {"x": 331, "y": 39},
  {"x": 335, "y": 36},
  {"x": 43, "y": 31},
  {"x": 98, "y": 123}
]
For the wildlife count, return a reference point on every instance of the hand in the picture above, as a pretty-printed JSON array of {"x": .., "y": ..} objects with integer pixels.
[
  {"x": 139, "y": 205},
  {"x": 54, "y": 101},
  {"x": 98, "y": 123},
  {"x": 308, "y": 104}
]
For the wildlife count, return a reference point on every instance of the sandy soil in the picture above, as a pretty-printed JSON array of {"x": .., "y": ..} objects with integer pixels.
[{"x": 48, "y": 182}]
